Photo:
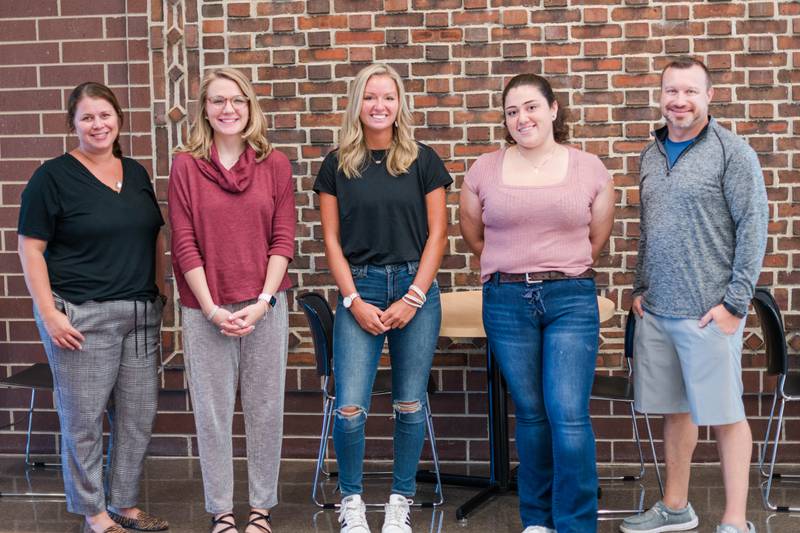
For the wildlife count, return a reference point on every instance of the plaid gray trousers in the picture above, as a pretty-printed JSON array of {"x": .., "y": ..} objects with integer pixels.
[{"x": 116, "y": 371}]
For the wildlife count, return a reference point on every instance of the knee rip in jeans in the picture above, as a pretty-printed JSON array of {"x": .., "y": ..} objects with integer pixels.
[
  {"x": 350, "y": 413},
  {"x": 409, "y": 411}
]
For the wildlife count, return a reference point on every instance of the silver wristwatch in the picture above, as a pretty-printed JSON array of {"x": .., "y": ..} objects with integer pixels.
[{"x": 348, "y": 300}]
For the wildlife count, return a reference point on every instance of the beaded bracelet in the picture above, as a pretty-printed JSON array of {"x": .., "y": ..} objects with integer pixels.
[{"x": 213, "y": 312}]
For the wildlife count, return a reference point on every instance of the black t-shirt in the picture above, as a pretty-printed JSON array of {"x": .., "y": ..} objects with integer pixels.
[
  {"x": 100, "y": 244},
  {"x": 382, "y": 218}
]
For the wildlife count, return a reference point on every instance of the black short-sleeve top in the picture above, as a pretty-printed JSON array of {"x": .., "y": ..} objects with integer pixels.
[
  {"x": 383, "y": 218},
  {"x": 101, "y": 244}
]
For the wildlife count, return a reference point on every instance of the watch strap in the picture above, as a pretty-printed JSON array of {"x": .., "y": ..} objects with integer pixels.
[{"x": 269, "y": 298}]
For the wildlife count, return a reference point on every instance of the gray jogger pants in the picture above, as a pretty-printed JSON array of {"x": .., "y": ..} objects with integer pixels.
[
  {"x": 215, "y": 365},
  {"x": 116, "y": 369}
]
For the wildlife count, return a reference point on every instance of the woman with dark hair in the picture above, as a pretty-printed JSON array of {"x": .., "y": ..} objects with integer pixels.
[
  {"x": 92, "y": 257},
  {"x": 537, "y": 213}
]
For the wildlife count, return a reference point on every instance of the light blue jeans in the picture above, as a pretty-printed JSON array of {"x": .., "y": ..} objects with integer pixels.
[
  {"x": 544, "y": 338},
  {"x": 356, "y": 354}
]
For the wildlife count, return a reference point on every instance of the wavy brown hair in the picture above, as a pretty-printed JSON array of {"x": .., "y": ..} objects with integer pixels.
[
  {"x": 93, "y": 89},
  {"x": 560, "y": 128},
  {"x": 353, "y": 149},
  {"x": 201, "y": 135}
]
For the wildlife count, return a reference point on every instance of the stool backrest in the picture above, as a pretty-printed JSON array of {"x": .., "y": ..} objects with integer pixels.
[
  {"x": 320, "y": 322},
  {"x": 769, "y": 315}
]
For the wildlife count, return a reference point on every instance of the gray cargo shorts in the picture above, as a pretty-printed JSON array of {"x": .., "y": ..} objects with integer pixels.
[{"x": 679, "y": 367}]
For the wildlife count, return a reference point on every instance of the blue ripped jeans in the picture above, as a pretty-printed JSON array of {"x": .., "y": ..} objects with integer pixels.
[
  {"x": 356, "y": 354},
  {"x": 544, "y": 339}
]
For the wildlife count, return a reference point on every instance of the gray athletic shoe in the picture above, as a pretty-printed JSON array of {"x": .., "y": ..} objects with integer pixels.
[
  {"x": 727, "y": 528},
  {"x": 660, "y": 518}
]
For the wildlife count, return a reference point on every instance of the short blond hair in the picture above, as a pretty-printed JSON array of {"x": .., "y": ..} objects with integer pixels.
[
  {"x": 201, "y": 135},
  {"x": 353, "y": 149}
]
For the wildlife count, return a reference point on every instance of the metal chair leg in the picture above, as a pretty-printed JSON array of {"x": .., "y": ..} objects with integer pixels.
[
  {"x": 763, "y": 454},
  {"x": 653, "y": 451},
  {"x": 766, "y": 487},
  {"x": 323, "y": 445},
  {"x": 434, "y": 453},
  {"x": 32, "y": 464},
  {"x": 640, "y": 475},
  {"x": 30, "y": 429},
  {"x": 610, "y": 514},
  {"x": 638, "y": 445},
  {"x": 28, "y": 462}
]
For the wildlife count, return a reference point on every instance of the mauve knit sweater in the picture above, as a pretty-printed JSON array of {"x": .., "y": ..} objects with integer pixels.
[
  {"x": 537, "y": 228},
  {"x": 230, "y": 222}
]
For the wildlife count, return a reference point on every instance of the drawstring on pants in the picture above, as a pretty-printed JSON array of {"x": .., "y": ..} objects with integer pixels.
[{"x": 136, "y": 327}]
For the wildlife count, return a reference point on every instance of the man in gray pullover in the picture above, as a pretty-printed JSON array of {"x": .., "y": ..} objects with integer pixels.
[{"x": 703, "y": 230}]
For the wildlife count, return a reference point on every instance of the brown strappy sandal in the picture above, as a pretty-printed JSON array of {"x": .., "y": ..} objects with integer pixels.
[
  {"x": 267, "y": 518},
  {"x": 223, "y": 520}
]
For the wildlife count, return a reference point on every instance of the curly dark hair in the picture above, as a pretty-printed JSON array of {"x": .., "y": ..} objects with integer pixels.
[{"x": 560, "y": 127}]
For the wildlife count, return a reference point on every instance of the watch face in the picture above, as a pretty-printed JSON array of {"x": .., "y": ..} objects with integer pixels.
[{"x": 347, "y": 302}]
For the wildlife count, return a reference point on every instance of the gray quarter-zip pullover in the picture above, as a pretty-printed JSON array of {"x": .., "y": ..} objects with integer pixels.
[{"x": 703, "y": 225}]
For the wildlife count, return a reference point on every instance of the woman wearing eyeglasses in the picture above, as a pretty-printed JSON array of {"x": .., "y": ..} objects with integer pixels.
[{"x": 231, "y": 200}]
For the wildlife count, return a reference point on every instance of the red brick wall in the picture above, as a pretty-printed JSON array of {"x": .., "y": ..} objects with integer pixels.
[{"x": 603, "y": 57}]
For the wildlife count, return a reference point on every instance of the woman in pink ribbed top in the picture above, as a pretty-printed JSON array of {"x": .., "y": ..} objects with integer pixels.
[{"x": 537, "y": 213}]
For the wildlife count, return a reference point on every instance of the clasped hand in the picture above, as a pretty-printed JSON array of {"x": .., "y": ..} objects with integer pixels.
[
  {"x": 242, "y": 322},
  {"x": 375, "y": 321}
]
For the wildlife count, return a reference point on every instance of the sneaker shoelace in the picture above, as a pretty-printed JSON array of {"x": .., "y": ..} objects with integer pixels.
[
  {"x": 353, "y": 515},
  {"x": 397, "y": 513}
]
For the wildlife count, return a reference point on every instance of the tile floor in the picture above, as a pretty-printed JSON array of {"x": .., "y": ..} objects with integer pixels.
[{"x": 172, "y": 489}]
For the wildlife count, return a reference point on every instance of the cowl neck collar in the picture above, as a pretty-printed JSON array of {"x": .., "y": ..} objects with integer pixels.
[{"x": 236, "y": 179}]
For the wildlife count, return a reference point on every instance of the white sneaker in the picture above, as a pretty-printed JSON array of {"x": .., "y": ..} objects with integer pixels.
[
  {"x": 398, "y": 515},
  {"x": 538, "y": 529},
  {"x": 353, "y": 515}
]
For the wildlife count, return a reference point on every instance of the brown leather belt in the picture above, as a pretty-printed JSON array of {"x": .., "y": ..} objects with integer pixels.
[{"x": 538, "y": 277}]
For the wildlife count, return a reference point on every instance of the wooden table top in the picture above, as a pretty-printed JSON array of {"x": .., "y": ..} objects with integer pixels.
[{"x": 462, "y": 313}]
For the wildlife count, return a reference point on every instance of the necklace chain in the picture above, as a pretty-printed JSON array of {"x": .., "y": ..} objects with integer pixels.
[
  {"x": 117, "y": 183},
  {"x": 372, "y": 156},
  {"x": 546, "y": 159}
]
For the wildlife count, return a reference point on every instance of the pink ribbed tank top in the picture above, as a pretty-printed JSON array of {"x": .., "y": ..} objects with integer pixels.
[{"x": 536, "y": 228}]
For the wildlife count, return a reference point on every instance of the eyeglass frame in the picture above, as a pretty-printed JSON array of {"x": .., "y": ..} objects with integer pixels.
[{"x": 222, "y": 102}]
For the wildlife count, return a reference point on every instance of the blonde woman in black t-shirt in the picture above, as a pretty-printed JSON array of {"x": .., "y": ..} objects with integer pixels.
[
  {"x": 92, "y": 257},
  {"x": 382, "y": 201}
]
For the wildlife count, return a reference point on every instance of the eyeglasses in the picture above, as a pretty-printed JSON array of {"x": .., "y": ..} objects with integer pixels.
[{"x": 219, "y": 102}]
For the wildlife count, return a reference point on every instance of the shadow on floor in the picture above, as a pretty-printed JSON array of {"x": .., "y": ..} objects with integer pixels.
[{"x": 172, "y": 489}]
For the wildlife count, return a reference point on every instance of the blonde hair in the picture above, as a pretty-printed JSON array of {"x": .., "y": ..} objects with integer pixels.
[
  {"x": 353, "y": 149},
  {"x": 201, "y": 135}
]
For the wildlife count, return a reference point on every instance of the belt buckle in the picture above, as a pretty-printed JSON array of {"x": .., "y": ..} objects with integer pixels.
[{"x": 530, "y": 281}]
